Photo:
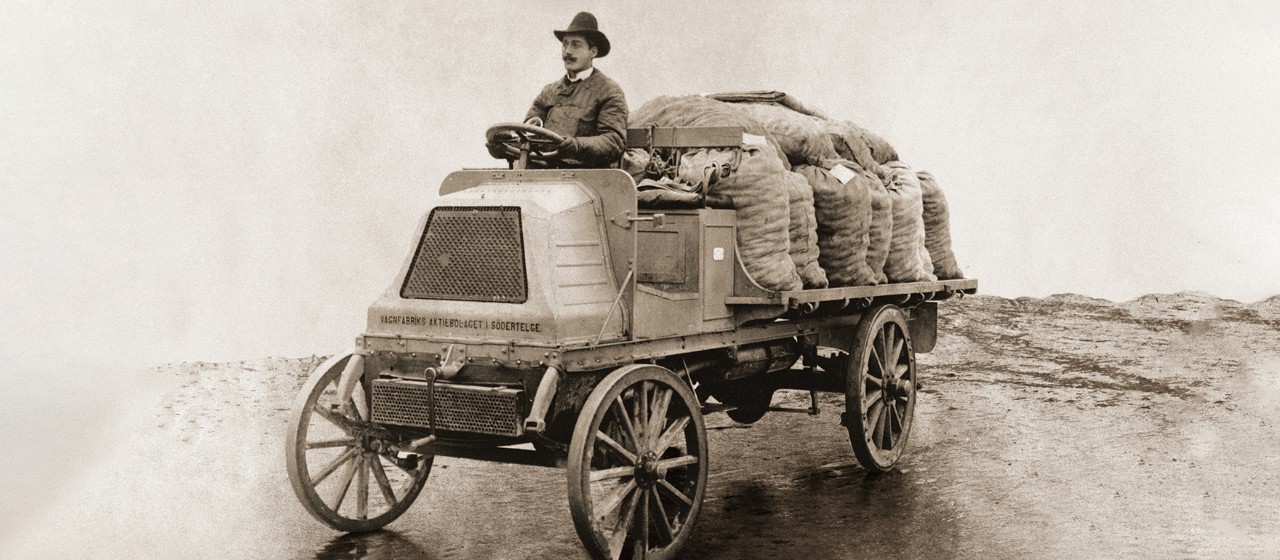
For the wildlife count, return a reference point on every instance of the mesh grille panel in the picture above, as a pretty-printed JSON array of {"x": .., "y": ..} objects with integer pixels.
[
  {"x": 469, "y": 254},
  {"x": 459, "y": 408}
]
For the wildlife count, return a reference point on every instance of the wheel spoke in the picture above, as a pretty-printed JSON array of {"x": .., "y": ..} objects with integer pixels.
[
  {"x": 629, "y": 456},
  {"x": 383, "y": 484},
  {"x": 668, "y": 531},
  {"x": 619, "y": 536},
  {"x": 408, "y": 483},
  {"x": 877, "y": 433},
  {"x": 888, "y": 427},
  {"x": 874, "y": 405},
  {"x": 874, "y": 397},
  {"x": 900, "y": 370},
  {"x": 331, "y": 443},
  {"x": 614, "y": 499},
  {"x": 609, "y": 474},
  {"x": 676, "y": 462},
  {"x": 362, "y": 410},
  {"x": 658, "y": 418},
  {"x": 668, "y": 438},
  {"x": 362, "y": 488},
  {"x": 663, "y": 483},
  {"x": 340, "y": 494},
  {"x": 895, "y": 423},
  {"x": 895, "y": 355},
  {"x": 642, "y": 544},
  {"x": 329, "y": 415},
  {"x": 332, "y": 466},
  {"x": 642, "y": 417},
  {"x": 875, "y": 360},
  {"x": 873, "y": 379},
  {"x": 627, "y": 423}
]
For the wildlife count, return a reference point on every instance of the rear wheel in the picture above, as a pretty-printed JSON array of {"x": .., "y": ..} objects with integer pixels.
[
  {"x": 638, "y": 465},
  {"x": 880, "y": 390},
  {"x": 340, "y": 464}
]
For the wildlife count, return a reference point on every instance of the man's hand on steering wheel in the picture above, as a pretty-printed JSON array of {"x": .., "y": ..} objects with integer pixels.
[
  {"x": 507, "y": 140},
  {"x": 568, "y": 148}
]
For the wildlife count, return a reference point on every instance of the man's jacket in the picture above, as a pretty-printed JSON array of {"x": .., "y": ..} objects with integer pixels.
[{"x": 593, "y": 111}]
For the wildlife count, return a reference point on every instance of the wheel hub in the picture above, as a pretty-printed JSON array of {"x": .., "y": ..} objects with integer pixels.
[{"x": 647, "y": 473}]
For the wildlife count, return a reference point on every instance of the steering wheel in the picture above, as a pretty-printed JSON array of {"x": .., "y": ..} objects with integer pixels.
[{"x": 525, "y": 142}]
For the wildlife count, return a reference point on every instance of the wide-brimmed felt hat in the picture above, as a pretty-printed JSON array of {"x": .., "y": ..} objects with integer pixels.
[{"x": 585, "y": 24}]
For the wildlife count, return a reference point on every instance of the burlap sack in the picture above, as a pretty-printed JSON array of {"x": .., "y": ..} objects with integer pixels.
[
  {"x": 801, "y": 137},
  {"x": 843, "y": 212},
  {"x": 881, "y": 232},
  {"x": 908, "y": 259},
  {"x": 937, "y": 228},
  {"x": 804, "y": 232}
]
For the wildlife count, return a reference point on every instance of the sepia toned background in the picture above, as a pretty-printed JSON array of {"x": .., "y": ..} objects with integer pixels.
[{"x": 187, "y": 181}]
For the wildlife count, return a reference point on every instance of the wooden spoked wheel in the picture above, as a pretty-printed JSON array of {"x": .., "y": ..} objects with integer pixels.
[
  {"x": 880, "y": 392},
  {"x": 340, "y": 465},
  {"x": 637, "y": 465}
]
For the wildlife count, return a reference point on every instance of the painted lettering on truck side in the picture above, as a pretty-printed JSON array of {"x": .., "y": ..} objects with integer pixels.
[{"x": 454, "y": 323}]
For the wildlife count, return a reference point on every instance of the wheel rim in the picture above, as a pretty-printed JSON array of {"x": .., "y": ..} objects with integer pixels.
[
  {"x": 881, "y": 389},
  {"x": 637, "y": 465},
  {"x": 340, "y": 464}
]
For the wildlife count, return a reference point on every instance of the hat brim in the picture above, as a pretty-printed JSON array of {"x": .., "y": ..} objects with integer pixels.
[{"x": 598, "y": 38}]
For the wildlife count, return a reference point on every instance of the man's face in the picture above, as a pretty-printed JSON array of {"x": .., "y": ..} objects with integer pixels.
[{"x": 577, "y": 53}]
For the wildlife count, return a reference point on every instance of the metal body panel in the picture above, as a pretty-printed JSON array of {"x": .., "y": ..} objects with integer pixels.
[
  {"x": 684, "y": 272},
  {"x": 719, "y": 258},
  {"x": 569, "y": 259},
  {"x": 923, "y": 323}
]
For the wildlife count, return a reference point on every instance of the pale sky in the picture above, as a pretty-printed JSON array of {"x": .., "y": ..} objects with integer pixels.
[{"x": 237, "y": 179}]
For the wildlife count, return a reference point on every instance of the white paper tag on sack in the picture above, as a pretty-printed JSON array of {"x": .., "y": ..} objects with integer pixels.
[
  {"x": 753, "y": 140},
  {"x": 842, "y": 174}
]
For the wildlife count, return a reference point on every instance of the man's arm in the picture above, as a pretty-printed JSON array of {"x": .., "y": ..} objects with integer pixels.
[
  {"x": 539, "y": 108},
  {"x": 611, "y": 124}
]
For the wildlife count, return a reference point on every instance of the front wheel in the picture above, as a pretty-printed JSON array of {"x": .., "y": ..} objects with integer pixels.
[
  {"x": 638, "y": 465},
  {"x": 880, "y": 389},
  {"x": 340, "y": 464}
]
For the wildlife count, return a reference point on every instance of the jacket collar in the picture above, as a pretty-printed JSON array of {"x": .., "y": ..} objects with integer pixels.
[{"x": 581, "y": 75}]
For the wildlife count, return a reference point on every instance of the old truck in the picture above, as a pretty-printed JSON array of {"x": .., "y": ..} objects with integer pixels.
[{"x": 545, "y": 317}]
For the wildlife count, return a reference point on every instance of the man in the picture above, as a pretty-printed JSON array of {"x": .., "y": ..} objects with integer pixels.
[{"x": 585, "y": 106}]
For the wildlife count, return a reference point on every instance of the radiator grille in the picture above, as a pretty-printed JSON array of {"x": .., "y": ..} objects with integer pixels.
[
  {"x": 469, "y": 254},
  {"x": 460, "y": 408}
]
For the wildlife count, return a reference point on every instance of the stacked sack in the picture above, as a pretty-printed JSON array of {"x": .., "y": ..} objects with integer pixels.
[
  {"x": 804, "y": 248},
  {"x": 881, "y": 234},
  {"x": 843, "y": 210},
  {"x": 937, "y": 228},
  {"x": 908, "y": 259}
]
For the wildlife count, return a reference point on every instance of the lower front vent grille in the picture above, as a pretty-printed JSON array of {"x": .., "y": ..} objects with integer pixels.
[{"x": 460, "y": 408}]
